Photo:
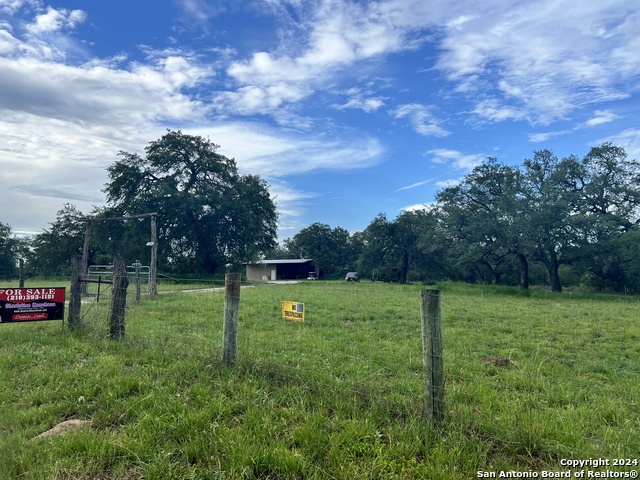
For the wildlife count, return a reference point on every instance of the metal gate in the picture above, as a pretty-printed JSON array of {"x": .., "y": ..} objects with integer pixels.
[{"x": 105, "y": 272}]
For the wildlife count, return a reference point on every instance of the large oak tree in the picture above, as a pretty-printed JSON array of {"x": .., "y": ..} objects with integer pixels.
[
  {"x": 208, "y": 214},
  {"x": 484, "y": 217}
]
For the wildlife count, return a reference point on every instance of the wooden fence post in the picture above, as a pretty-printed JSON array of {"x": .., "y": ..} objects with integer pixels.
[
  {"x": 75, "y": 297},
  {"x": 21, "y": 277},
  {"x": 137, "y": 265},
  {"x": 153, "y": 266},
  {"x": 85, "y": 254},
  {"x": 230, "y": 327},
  {"x": 118, "y": 298},
  {"x": 432, "y": 355}
]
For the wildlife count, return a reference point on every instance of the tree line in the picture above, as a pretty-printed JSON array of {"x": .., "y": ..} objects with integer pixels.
[{"x": 549, "y": 221}]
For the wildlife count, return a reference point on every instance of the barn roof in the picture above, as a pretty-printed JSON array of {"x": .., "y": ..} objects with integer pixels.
[{"x": 280, "y": 262}]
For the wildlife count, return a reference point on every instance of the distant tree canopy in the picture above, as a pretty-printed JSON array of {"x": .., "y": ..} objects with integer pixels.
[
  {"x": 208, "y": 214},
  {"x": 333, "y": 250},
  {"x": 11, "y": 249},
  {"x": 501, "y": 222},
  {"x": 552, "y": 211},
  {"x": 52, "y": 249}
]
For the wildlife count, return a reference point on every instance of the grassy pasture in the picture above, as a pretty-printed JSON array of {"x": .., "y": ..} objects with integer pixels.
[{"x": 338, "y": 396}]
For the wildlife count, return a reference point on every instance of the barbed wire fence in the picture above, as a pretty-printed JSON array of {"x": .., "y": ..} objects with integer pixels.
[
  {"x": 536, "y": 386},
  {"x": 361, "y": 344}
]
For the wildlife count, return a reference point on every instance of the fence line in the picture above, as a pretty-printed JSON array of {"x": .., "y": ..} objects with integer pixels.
[{"x": 362, "y": 343}]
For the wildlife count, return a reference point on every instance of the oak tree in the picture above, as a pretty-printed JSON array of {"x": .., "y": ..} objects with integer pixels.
[{"x": 209, "y": 215}]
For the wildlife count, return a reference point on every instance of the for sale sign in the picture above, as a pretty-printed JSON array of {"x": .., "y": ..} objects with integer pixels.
[{"x": 31, "y": 304}]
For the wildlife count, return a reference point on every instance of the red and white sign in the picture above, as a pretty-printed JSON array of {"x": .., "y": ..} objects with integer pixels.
[{"x": 31, "y": 304}]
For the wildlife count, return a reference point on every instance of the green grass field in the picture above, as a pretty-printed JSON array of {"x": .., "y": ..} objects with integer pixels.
[{"x": 338, "y": 396}]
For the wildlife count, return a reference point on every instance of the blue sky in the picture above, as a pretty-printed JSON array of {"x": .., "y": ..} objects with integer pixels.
[{"x": 347, "y": 108}]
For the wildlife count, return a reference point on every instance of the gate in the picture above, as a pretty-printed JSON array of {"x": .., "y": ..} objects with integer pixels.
[{"x": 98, "y": 275}]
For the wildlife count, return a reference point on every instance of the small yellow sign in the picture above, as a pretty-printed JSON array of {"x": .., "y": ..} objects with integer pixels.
[{"x": 293, "y": 311}]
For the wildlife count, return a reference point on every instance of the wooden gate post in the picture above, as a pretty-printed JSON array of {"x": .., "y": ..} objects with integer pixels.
[
  {"x": 432, "y": 355},
  {"x": 230, "y": 327},
  {"x": 75, "y": 297},
  {"x": 118, "y": 298}
]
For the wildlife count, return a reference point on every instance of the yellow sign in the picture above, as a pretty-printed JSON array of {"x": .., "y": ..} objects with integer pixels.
[{"x": 293, "y": 311}]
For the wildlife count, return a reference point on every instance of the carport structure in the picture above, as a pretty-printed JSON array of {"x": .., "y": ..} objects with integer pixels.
[{"x": 287, "y": 269}]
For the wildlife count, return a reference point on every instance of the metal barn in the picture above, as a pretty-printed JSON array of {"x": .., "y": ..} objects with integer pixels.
[{"x": 289, "y": 269}]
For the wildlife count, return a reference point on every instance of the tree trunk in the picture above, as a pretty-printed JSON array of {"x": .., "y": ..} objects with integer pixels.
[
  {"x": 552, "y": 268},
  {"x": 524, "y": 271},
  {"x": 404, "y": 272},
  {"x": 494, "y": 272}
]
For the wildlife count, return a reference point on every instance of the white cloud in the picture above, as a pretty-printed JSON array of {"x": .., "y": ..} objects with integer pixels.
[
  {"x": 455, "y": 158},
  {"x": 544, "y": 136},
  {"x": 56, "y": 20},
  {"x": 413, "y": 185},
  {"x": 254, "y": 99},
  {"x": 290, "y": 202},
  {"x": 549, "y": 56},
  {"x": 427, "y": 207},
  {"x": 201, "y": 10},
  {"x": 421, "y": 119},
  {"x": 47, "y": 162},
  {"x": 534, "y": 61},
  {"x": 360, "y": 101},
  {"x": 492, "y": 110},
  {"x": 628, "y": 139},
  {"x": 61, "y": 125},
  {"x": 97, "y": 93},
  {"x": 12, "y": 6},
  {"x": 460, "y": 21},
  {"x": 366, "y": 104},
  {"x": 8, "y": 43},
  {"x": 337, "y": 35},
  {"x": 601, "y": 117},
  {"x": 274, "y": 153}
]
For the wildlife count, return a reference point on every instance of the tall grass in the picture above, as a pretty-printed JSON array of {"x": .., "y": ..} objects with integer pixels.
[{"x": 338, "y": 396}]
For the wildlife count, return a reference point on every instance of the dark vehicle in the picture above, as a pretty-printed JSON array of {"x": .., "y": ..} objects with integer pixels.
[
  {"x": 391, "y": 275},
  {"x": 312, "y": 276},
  {"x": 352, "y": 276}
]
